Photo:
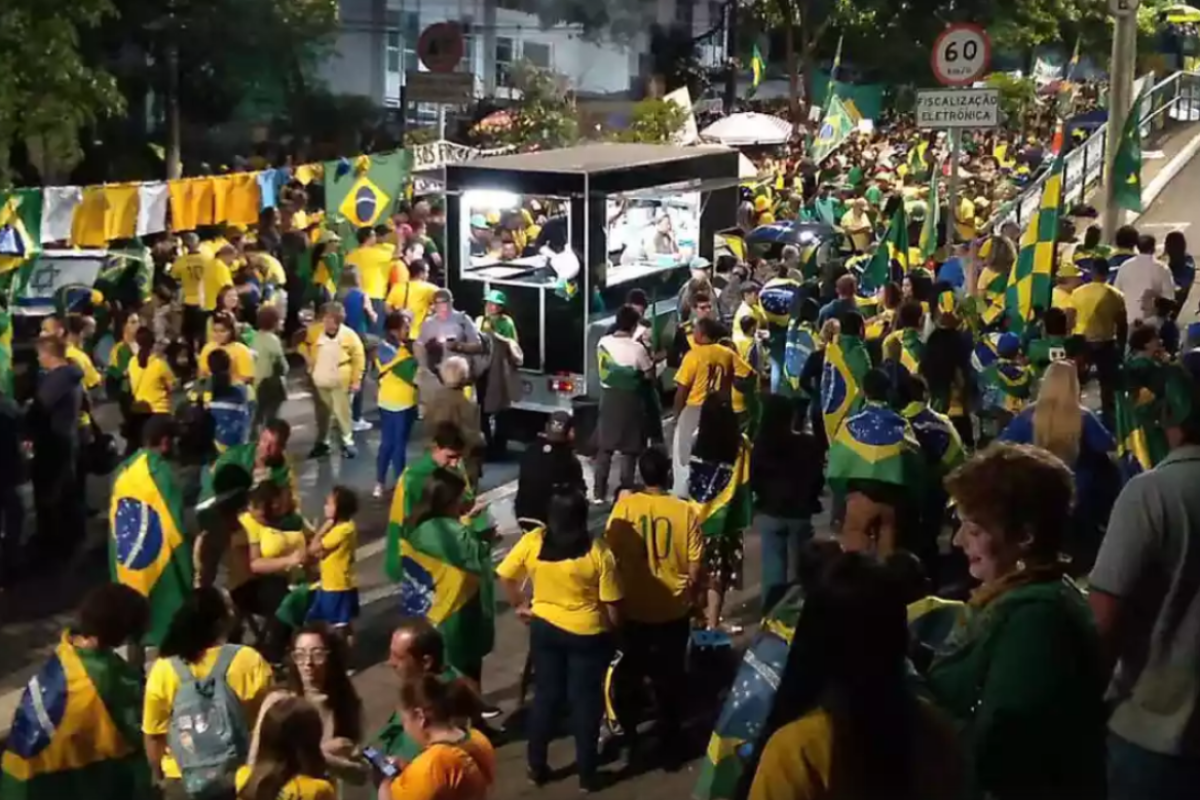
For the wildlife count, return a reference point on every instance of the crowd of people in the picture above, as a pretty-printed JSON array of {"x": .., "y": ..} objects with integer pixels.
[{"x": 905, "y": 409}]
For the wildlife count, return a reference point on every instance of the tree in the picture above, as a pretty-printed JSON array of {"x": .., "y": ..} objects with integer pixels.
[
  {"x": 617, "y": 20},
  {"x": 543, "y": 117},
  {"x": 1016, "y": 96},
  {"x": 654, "y": 121},
  {"x": 47, "y": 90}
]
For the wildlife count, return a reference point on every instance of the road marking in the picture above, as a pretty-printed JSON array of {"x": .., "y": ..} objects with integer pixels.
[{"x": 1178, "y": 226}]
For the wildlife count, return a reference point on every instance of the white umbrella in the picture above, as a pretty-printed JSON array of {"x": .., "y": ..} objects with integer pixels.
[
  {"x": 746, "y": 169},
  {"x": 749, "y": 128}
]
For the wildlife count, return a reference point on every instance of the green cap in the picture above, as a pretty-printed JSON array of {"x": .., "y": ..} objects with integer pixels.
[{"x": 496, "y": 296}]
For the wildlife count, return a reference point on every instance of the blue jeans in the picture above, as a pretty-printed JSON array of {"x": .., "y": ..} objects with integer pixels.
[
  {"x": 777, "y": 379},
  {"x": 568, "y": 671},
  {"x": 1135, "y": 773},
  {"x": 394, "y": 429},
  {"x": 781, "y": 540}
]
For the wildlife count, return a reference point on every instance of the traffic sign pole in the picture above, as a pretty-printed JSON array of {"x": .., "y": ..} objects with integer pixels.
[
  {"x": 1120, "y": 100},
  {"x": 952, "y": 189}
]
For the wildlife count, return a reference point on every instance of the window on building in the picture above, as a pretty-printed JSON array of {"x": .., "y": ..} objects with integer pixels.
[
  {"x": 393, "y": 42},
  {"x": 467, "y": 64},
  {"x": 505, "y": 53},
  {"x": 536, "y": 54},
  {"x": 410, "y": 31}
]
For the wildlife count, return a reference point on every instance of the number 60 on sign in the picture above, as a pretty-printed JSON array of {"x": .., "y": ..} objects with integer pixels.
[{"x": 961, "y": 55}]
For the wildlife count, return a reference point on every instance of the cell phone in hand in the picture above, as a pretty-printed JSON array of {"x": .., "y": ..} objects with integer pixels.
[{"x": 380, "y": 762}]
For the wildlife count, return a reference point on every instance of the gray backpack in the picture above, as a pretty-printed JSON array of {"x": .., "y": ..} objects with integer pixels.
[{"x": 208, "y": 735}]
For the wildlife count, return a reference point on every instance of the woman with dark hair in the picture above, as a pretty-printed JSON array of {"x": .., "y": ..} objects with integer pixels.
[
  {"x": 151, "y": 381},
  {"x": 289, "y": 763},
  {"x": 455, "y": 761},
  {"x": 196, "y": 643},
  {"x": 317, "y": 672},
  {"x": 227, "y": 402},
  {"x": 718, "y": 481},
  {"x": 436, "y": 533},
  {"x": 846, "y": 722},
  {"x": 1181, "y": 264},
  {"x": 571, "y": 616},
  {"x": 1024, "y": 676},
  {"x": 946, "y": 368}
]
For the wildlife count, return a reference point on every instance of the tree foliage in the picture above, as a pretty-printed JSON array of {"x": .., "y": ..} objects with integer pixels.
[
  {"x": 542, "y": 118},
  {"x": 48, "y": 92},
  {"x": 1016, "y": 95},
  {"x": 654, "y": 121},
  {"x": 617, "y": 20}
]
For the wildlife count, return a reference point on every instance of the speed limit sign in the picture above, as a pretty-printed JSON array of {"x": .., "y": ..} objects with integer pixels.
[{"x": 961, "y": 54}]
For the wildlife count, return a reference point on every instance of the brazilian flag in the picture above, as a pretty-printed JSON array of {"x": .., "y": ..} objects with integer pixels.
[
  {"x": 147, "y": 549},
  {"x": 911, "y": 348},
  {"x": 409, "y": 490},
  {"x": 1007, "y": 385},
  {"x": 77, "y": 732},
  {"x": 363, "y": 192},
  {"x": 938, "y": 437},
  {"x": 1133, "y": 450},
  {"x": 800, "y": 345},
  {"x": 722, "y": 493},
  {"x": 731, "y": 748},
  {"x": 876, "y": 444},
  {"x": 446, "y": 577},
  {"x": 235, "y": 468},
  {"x": 846, "y": 363}
]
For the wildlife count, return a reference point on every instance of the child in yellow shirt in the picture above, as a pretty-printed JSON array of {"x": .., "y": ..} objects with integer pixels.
[{"x": 336, "y": 599}]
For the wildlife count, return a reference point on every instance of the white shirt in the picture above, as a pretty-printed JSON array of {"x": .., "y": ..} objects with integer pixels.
[
  {"x": 627, "y": 351},
  {"x": 1140, "y": 277}
]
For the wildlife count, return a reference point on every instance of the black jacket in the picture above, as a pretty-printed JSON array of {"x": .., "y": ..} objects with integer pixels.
[
  {"x": 545, "y": 468},
  {"x": 54, "y": 414}
]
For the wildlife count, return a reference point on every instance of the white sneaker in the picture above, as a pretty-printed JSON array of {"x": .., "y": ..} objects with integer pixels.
[
  {"x": 361, "y": 425},
  {"x": 377, "y": 492}
]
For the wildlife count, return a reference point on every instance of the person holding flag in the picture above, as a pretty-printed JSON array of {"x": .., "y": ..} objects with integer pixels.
[
  {"x": 846, "y": 364},
  {"x": 77, "y": 729},
  {"x": 149, "y": 549}
]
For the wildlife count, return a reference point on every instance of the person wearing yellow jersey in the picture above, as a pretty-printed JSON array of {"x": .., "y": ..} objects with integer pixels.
[
  {"x": 336, "y": 599},
  {"x": 656, "y": 541},
  {"x": 964, "y": 219},
  {"x": 196, "y": 644},
  {"x": 1100, "y": 319},
  {"x": 397, "y": 399},
  {"x": 76, "y": 331},
  {"x": 289, "y": 763},
  {"x": 575, "y": 591},
  {"x": 151, "y": 381},
  {"x": 707, "y": 369},
  {"x": 374, "y": 265},
  {"x": 224, "y": 333},
  {"x": 1070, "y": 278},
  {"x": 202, "y": 277},
  {"x": 414, "y": 296},
  {"x": 750, "y": 307}
]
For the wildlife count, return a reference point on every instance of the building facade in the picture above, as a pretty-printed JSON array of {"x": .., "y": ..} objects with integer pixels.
[{"x": 377, "y": 45}]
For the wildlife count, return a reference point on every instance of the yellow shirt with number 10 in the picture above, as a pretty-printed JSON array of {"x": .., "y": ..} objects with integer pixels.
[
  {"x": 707, "y": 368},
  {"x": 655, "y": 538}
]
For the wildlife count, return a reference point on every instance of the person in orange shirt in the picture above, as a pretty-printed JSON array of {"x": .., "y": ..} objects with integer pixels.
[{"x": 455, "y": 763}]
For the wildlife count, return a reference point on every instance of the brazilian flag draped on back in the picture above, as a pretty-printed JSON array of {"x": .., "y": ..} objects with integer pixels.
[
  {"x": 363, "y": 191},
  {"x": 1133, "y": 450},
  {"x": 939, "y": 439},
  {"x": 876, "y": 444},
  {"x": 446, "y": 577},
  {"x": 846, "y": 362},
  {"x": 722, "y": 493},
  {"x": 77, "y": 732},
  {"x": 147, "y": 548},
  {"x": 731, "y": 748},
  {"x": 409, "y": 490}
]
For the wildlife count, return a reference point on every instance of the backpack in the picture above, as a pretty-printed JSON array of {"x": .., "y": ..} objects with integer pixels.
[{"x": 208, "y": 735}]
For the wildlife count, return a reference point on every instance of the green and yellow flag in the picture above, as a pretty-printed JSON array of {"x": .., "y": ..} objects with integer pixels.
[
  {"x": 938, "y": 437},
  {"x": 362, "y": 192},
  {"x": 836, "y": 127},
  {"x": 918, "y": 161},
  {"x": 446, "y": 577},
  {"x": 928, "y": 243},
  {"x": 1133, "y": 449},
  {"x": 1030, "y": 283},
  {"x": 876, "y": 444},
  {"x": 1127, "y": 164},
  {"x": 846, "y": 363},
  {"x": 894, "y": 247},
  {"x": 77, "y": 731},
  {"x": 20, "y": 227},
  {"x": 148, "y": 550},
  {"x": 758, "y": 68},
  {"x": 722, "y": 493},
  {"x": 6, "y": 362}
]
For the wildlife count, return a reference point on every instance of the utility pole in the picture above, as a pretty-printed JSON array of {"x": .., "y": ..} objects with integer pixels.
[
  {"x": 731, "y": 41},
  {"x": 1120, "y": 101}
]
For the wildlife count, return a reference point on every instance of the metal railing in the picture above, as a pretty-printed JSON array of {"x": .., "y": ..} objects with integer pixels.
[{"x": 1173, "y": 102}]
